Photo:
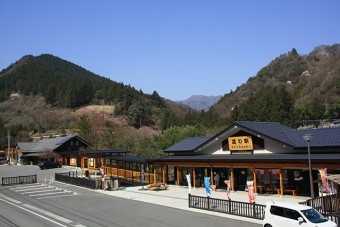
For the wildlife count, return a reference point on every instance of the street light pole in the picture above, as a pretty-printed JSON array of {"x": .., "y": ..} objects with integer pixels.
[{"x": 308, "y": 138}]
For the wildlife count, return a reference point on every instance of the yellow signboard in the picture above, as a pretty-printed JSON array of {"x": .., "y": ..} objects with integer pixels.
[{"x": 240, "y": 143}]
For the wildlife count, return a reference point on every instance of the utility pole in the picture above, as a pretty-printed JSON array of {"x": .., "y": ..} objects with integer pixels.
[{"x": 9, "y": 147}]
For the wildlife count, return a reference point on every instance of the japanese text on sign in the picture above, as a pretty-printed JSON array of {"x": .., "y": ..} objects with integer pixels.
[{"x": 240, "y": 143}]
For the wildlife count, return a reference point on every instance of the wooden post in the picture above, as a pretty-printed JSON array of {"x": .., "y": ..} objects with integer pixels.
[
  {"x": 281, "y": 183},
  {"x": 82, "y": 164},
  {"x": 163, "y": 174},
  {"x": 124, "y": 165},
  {"x": 178, "y": 176},
  {"x": 211, "y": 176},
  {"x": 232, "y": 181},
  {"x": 132, "y": 176},
  {"x": 194, "y": 176},
  {"x": 255, "y": 185},
  {"x": 154, "y": 174}
]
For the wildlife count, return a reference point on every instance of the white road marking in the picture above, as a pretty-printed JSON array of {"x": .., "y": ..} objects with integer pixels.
[
  {"x": 32, "y": 192},
  {"x": 48, "y": 197},
  {"x": 34, "y": 210},
  {"x": 50, "y": 193},
  {"x": 29, "y": 189},
  {"x": 37, "y": 190},
  {"x": 13, "y": 204}
]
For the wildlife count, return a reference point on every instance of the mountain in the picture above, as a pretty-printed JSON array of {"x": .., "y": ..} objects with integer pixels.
[
  {"x": 45, "y": 94},
  {"x": 201, "y": 102},
  {"x": 65, "y": 85},
  {"x": 311, "y": 82}
]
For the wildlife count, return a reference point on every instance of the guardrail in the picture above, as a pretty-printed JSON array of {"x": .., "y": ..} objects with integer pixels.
[
  {"x": 19, "y": 180},
  {"x": 325, "y": 204},
  {"x": 71, "y": 178},
  {"x": 250, "y": 210},
  {"x": 328, "y": 205}
]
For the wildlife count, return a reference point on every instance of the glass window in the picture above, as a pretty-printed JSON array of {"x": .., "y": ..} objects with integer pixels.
[
  {"x": 314, "y": 216},
  {"x": 279, "y": 211},
  {"x": 292, "y": 214}
]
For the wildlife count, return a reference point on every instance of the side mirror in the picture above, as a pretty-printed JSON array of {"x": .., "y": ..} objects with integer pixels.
[{"x": 300, "y": 220}]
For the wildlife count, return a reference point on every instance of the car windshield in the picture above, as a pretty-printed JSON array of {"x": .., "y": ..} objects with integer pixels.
[{"x": 314, "y": 216}]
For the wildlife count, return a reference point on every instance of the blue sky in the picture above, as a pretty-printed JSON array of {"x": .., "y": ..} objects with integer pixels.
[{"x": 178, "y": 48}]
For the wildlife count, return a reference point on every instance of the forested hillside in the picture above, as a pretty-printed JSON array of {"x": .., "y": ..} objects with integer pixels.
[
  {"x": 292, "y": 87},
  {"x": 66, "y": 85},
  {"x": 45, "y": 95}
]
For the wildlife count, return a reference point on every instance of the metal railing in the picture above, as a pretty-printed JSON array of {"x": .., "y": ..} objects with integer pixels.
[
  {"x": 19, "y": 180},
  {"x": 250, "y": 210},
  {"x": 325, "y": 204},
  {"x": 328, "y": 205},
  {"x": 72, "y": 178}
]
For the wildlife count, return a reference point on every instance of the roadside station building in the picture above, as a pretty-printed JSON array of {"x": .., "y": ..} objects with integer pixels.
[
  {"x": 272, "y": 155},
  {"x": 65, "y": 147}
]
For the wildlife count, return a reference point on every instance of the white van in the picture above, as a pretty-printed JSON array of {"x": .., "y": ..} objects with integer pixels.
[{"x": 278, "y": 214}]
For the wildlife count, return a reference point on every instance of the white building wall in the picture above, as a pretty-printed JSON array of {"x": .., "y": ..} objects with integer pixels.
[{"x": 271, "y": 147}]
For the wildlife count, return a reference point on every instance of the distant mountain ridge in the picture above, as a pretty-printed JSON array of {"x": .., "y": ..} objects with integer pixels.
[
  {"x": 313, "y": 81},
  {"x": 201, "y": 102}
]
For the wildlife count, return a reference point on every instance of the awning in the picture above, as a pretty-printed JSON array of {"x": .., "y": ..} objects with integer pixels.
[
  {"x": 252, "y": 158},
  {"x": 109, "y": 152},
  {"x": 33, "y": 154},
  {"x": 335, "y": 178}
]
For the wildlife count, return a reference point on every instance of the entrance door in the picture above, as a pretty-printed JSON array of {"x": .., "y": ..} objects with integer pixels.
[
  {"x": 85, "y": 163},
  {"x": 240, "y": 175},
  {"x": 220, "y": 175}
]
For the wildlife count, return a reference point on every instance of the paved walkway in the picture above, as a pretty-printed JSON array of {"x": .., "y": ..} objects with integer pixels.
[{"x": 177, "y": 197}]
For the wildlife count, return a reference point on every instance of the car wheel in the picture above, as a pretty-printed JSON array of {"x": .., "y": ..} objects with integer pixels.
[{"x": 267, "y": 225}]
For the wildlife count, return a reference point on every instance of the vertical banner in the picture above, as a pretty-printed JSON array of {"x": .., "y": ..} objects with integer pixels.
[
  {"x": 207, "y": 186},
  {"x": 227, "y": 182},
  {"x": 102, "y": 173},
  {"x": 189, "y": 182},
  {"x": 143, "y": 177},
  {"x": 251, "y": 191},
  {"x": 323, "y": 174}
]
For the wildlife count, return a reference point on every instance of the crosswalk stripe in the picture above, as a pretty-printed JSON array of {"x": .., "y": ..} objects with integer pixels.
[
  {"x": 52, "y": 193},
  {"x": 30, "y": 189},
  {"x": 33, "y": 192},
  {"x": 38, "y": 191}
]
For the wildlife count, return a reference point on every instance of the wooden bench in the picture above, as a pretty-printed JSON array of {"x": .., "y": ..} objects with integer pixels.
[{"x": 291, "y": 191}]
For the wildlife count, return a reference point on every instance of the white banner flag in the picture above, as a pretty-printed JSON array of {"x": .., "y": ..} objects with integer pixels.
[{"x": 189, "y": 182}]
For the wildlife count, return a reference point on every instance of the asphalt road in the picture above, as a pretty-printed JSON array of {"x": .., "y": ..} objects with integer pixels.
[{"x": 56, "y": 204}]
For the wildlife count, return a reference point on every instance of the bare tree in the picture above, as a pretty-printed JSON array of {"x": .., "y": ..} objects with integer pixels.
[{"x": 48, "y": 154}]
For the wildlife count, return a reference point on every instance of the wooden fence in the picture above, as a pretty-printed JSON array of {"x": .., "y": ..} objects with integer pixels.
[
  {"x": 328, "y": 205},
  {"x": 250, "y": 210},
  {"x": 72, "y": 178},
  {"x": 19, "y": 180}
]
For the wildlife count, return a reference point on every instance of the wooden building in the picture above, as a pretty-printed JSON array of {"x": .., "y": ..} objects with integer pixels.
[
  {"x": 116, "y": 164},
  {"x": 272, "y": 155},
  {"x": 64, "y": 149}
]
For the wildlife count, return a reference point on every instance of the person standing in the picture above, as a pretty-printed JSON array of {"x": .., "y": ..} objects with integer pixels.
[{"x": 217, "y": 179}]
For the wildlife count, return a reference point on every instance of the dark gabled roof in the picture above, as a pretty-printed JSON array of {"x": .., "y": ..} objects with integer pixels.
[
  {"x": 252, "y": 158},
  {"x": 272, "y": 130},
  {"x": 46, "y": 144},
  {"x": 104, "y": 151},
  {"x": 188, "y": 144},
  {"x": 323, "y": 137},
  {"x": 327, "y": 138}
]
